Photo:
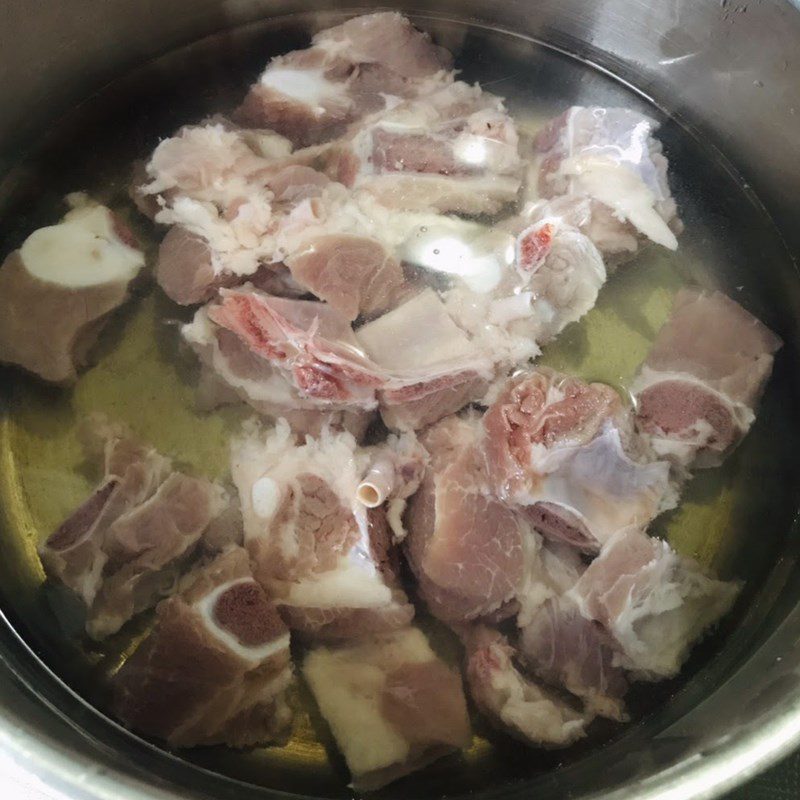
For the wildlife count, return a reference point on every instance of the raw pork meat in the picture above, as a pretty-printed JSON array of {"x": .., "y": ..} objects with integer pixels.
[
  {"x": 469, "y": 552},
  {"x": 455, "y": 149},
  {"x": 292, "y": 358},
  {"x": 653, "y": 602},
  {"x": 563, "y": 450},
  {"x": 567, "y": 650},
  {"x": 512, "y": 701},
  {"x": 558, "y": 266},
  {"x": 392, "y": 705},
  {"x": 216, "y": 667},
  {"x": 609, "y": 168},
  {"x": 325, "y": 557},
  {"x": 212, "y": 187},
  {"x": 58, "y": 289},
  {"x": 432, "y": 368},
  {"x": 358, "y": 67},
  {"x": 699, "y": 385},
  {"x": 122, "y": 549}
]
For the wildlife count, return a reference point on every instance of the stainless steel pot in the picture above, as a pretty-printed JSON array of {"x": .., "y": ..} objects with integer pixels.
[{"x": 732, "y": 75}]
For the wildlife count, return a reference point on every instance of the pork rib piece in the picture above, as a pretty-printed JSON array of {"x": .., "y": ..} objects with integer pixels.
[
  {"x": 58, "y": 290},
  {"x": 355, "y": 68},
  {"x": 231, "y": 372},
  {"x": 609, "y": 168},
  {"x": 432, "y": 368},
  {"x": 699, "y": 385},
  {"x": 469, "y": 552},
  {"x": 653, "y": 602},
  {"x": 454, "y": 149},
  {"x": 392, "y": 705},
  {"x": 564, "y": 649},
  {"x": 513, "y": 702},
  {"x": 286, "y": 358},
  {"x": 563, "y": 450},
  {"x": 210, "y": 185},
  {"x": 216, "y": 667},
  {"x": 325, "y": 557},
  {"x": 558, "y": 266},
  {"x": 122, "y": 549}
]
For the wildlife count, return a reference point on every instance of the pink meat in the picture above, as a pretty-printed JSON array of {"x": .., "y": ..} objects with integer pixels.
[
  {"x": 321, "y": 527},
  {"x": 310, "y": 341},
  {"x": 418, "y": 405},
  {"x": 512, "y": 701},
  {"x": 567, "y": 650},
  {"x": 297, "y": 182},
  {"x": 700, "y": 383},
  {"x": 355, "y": 275},
  {"x": 216, "y": 666},
  {"x": 540, "y": 408},
  {"x": 122, "y": 549},
  {"x": 461, "y": 541},
  {"x": 356, "y": 65},
  {"x": 653, "y": 603}
]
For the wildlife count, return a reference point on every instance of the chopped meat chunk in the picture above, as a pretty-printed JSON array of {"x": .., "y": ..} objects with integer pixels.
[
  {"x": 512, "y": 701},
  {"x": 216, "y": 667},
  {"x": 454, "y": 149},
  {"x": 350, "y": 70},
  {"x": 653, "y": 602},
  {"x": 567, "y": 650},
  {"x": 326, "y": 559},
  {"x": 609, "y": 165},
  {"x": 354, "y": 274},
  {"x": 556, "y": 446},
  {"x": 432, "y": 367},
  {"x": 231, "y": 373},
  {"x": 392, "y": 705},
  {"x": 700, "y": 383},
  {"x": 58, "y": 289},
  {"x": 468, "y": 551},
  {"x": 123, "y": 548}
]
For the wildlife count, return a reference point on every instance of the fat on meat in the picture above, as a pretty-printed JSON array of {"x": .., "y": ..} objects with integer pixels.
[
  {"x": 564, "y": 450},
  {"x": 558, "y": 266},
  {"x": 123, "y": 548},
  {"x": 216, "y": 667},
  {"x": 209, "y": 184},
  {"x": 607, "y": 165},
  {"x": 699, "y": 386},
  {"x": 326, "y": 558},
  {"x": 652, "y": 601},
  {"x": 513, "y": 701},
  {"x": 454, "y": 149},
  {"x": 361, "y": 66},
  {"x": 59, "y": 288},
  {"x": 392, "y": 705},
  {"x": 469, "y": 552}
]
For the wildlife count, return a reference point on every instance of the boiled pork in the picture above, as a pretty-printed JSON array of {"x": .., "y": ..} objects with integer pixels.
[
  {"x": 469, "y": 552},
  {"x": 123, "y": 548},
  {"x": 58, "y": 290},
  {"x": 355, "y": 68},
  {"x": 216, "y": 667},
  {"x": 653, "y": 602},
  {"x": 512, "y": 701},
  {"x": 612, "y": 175},
  {"x": 324, "y": 556},
  {"x": 392, "y": 705},
  {"x": 563, "y": 450},
  {"x": 699, "y": 385}
]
